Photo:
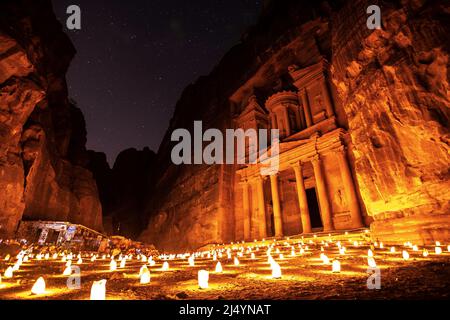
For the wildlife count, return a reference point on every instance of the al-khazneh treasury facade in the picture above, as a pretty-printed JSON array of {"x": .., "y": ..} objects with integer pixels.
[
  {"x": 364, "y": 121},
  {"x": 314, "y": 189}
]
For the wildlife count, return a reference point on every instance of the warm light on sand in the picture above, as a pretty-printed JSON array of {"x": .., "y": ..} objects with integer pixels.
[
  {"x": 67, "y": 271},
  {"x": 144, "y": 275},
  {"x": 276, "y": 270},
  {"x": 219, "y": 268},
  {"x": 325, "y": 259},
  {"x": 405, "y": 255},
  {"x": 113, "y": 265},
  {"x": 98, "y": 290},
  {"x": 8, "y": 273},
  {"x": 371, "y": 262},
  {"x": 203, "y": 278},
  {"x": 336, "y": 267},
  {"x": 38, "y": 287}
]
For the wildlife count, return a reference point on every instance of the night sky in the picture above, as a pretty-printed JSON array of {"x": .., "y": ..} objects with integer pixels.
[{"x": 135, "y": 57}]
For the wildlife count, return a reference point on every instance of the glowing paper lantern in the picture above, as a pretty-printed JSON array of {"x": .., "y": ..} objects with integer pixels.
[
  {"x": 113, "y": 265},
  {"x": 324, "y": 258},
  {"x": 47, "y": 256},
  {"x": 16, "y": 267},
  {"x": 438, "y": 250},
  {"x": 152, "y": 263},
  {"x": 342, "y": 250},
  {"x": 38, "y": 287},
  {"x": 203, "y": 277},
  {"x": 438, "y": 244},
  {"x": 392, "y": 249},
  {"x": 252, "y": 256},
  {"x": 219, "y": 268},
  {"x": 7, "y": 257},
  {"x": 236, "y": 261},
  {"x": 93, "y": 258},
  {"x": 8, "y": 273},
  {"x": 55, "y": 256},
  {"x": 425, "y": 252},
  {"x": 98, "y": 290},
  {"x": 405, "y": 255},
  {"x": 144, "y": 275},
  {"x": 281, "y": 256},
  {"x": 302, "y": 251},
  {"x": 381, "y": 245},
  {"x": 69, "y": 263},
  {"x": 415, "y": 248},
  {"x": 67, "y": 271},
  {"x": 122, "y": 263},
  {"x": 80, "y": 261},
  {"x": 276, "y": 271},
  {"x": 371, "y": 262},
  {"x": 25, "y": 259},
  {"x": 448, "y": 248},
  {"x": 165, "y": 266},
  {"x": 191, "y": 261},
  {"x": 369, "y": 253},
  {"x": 336, "y": 267}
]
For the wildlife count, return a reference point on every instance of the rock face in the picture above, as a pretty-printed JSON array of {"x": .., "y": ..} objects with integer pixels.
[
  {"x": 43, "y": 159},
  {"x": 391, "y": 99},
  {"x": 193, "y": 205},
  {"x": 123, "y": 189},
  {"x": 394, "y": 87}
]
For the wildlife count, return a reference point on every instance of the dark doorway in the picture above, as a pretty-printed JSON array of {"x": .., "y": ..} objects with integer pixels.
[{"x": 314, "y": 210}]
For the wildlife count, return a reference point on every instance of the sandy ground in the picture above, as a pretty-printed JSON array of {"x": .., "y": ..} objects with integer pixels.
[{"x": 304, "y": 276}]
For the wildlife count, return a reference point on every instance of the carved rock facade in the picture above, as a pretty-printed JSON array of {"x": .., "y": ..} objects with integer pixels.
[{"x": 363, "y": 117}]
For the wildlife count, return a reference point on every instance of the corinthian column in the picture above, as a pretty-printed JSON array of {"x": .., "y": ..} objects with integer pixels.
[
  {"x": 262, "y": 207},
  {"x": 350, "y": 189},
  {"x": 325, "y": 208},
  {"x": 327, "y": 97},
  {"x": 246, "y": 205},
  {"x": 306, "y": 109},
  {"x": 278, "y": 221},
  {"x": 302, "y": 199}
]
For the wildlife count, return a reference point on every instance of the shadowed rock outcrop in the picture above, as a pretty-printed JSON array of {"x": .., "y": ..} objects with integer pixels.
[
  {"x": 42, "y": 134},
  {"x": 123, "y": 189}
]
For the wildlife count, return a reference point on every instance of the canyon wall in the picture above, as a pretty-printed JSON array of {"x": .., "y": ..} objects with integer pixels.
[
  {"x": 391, "y": 96},
  {"x": 43, "y": 158},
  {"x": 123, "y": 189},
  {"x": 394, "y": 86},
  {"x": 192, "y": 205}
]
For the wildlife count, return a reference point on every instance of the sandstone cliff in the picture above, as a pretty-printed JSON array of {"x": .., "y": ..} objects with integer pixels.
[
  {"x": 123, "y": 189},
  {"x": 394, "y": 86},
  {"x": 187, "y": 205},
  {"x": 392, "y": 96},
  {"x": 42, "y": 134}
]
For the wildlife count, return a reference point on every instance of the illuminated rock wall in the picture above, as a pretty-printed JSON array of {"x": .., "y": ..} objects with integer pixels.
[
  {"x": 42, "y": 134},
  {"x": 393, "y": 84},
  {"x": 392, "y": 101}
]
